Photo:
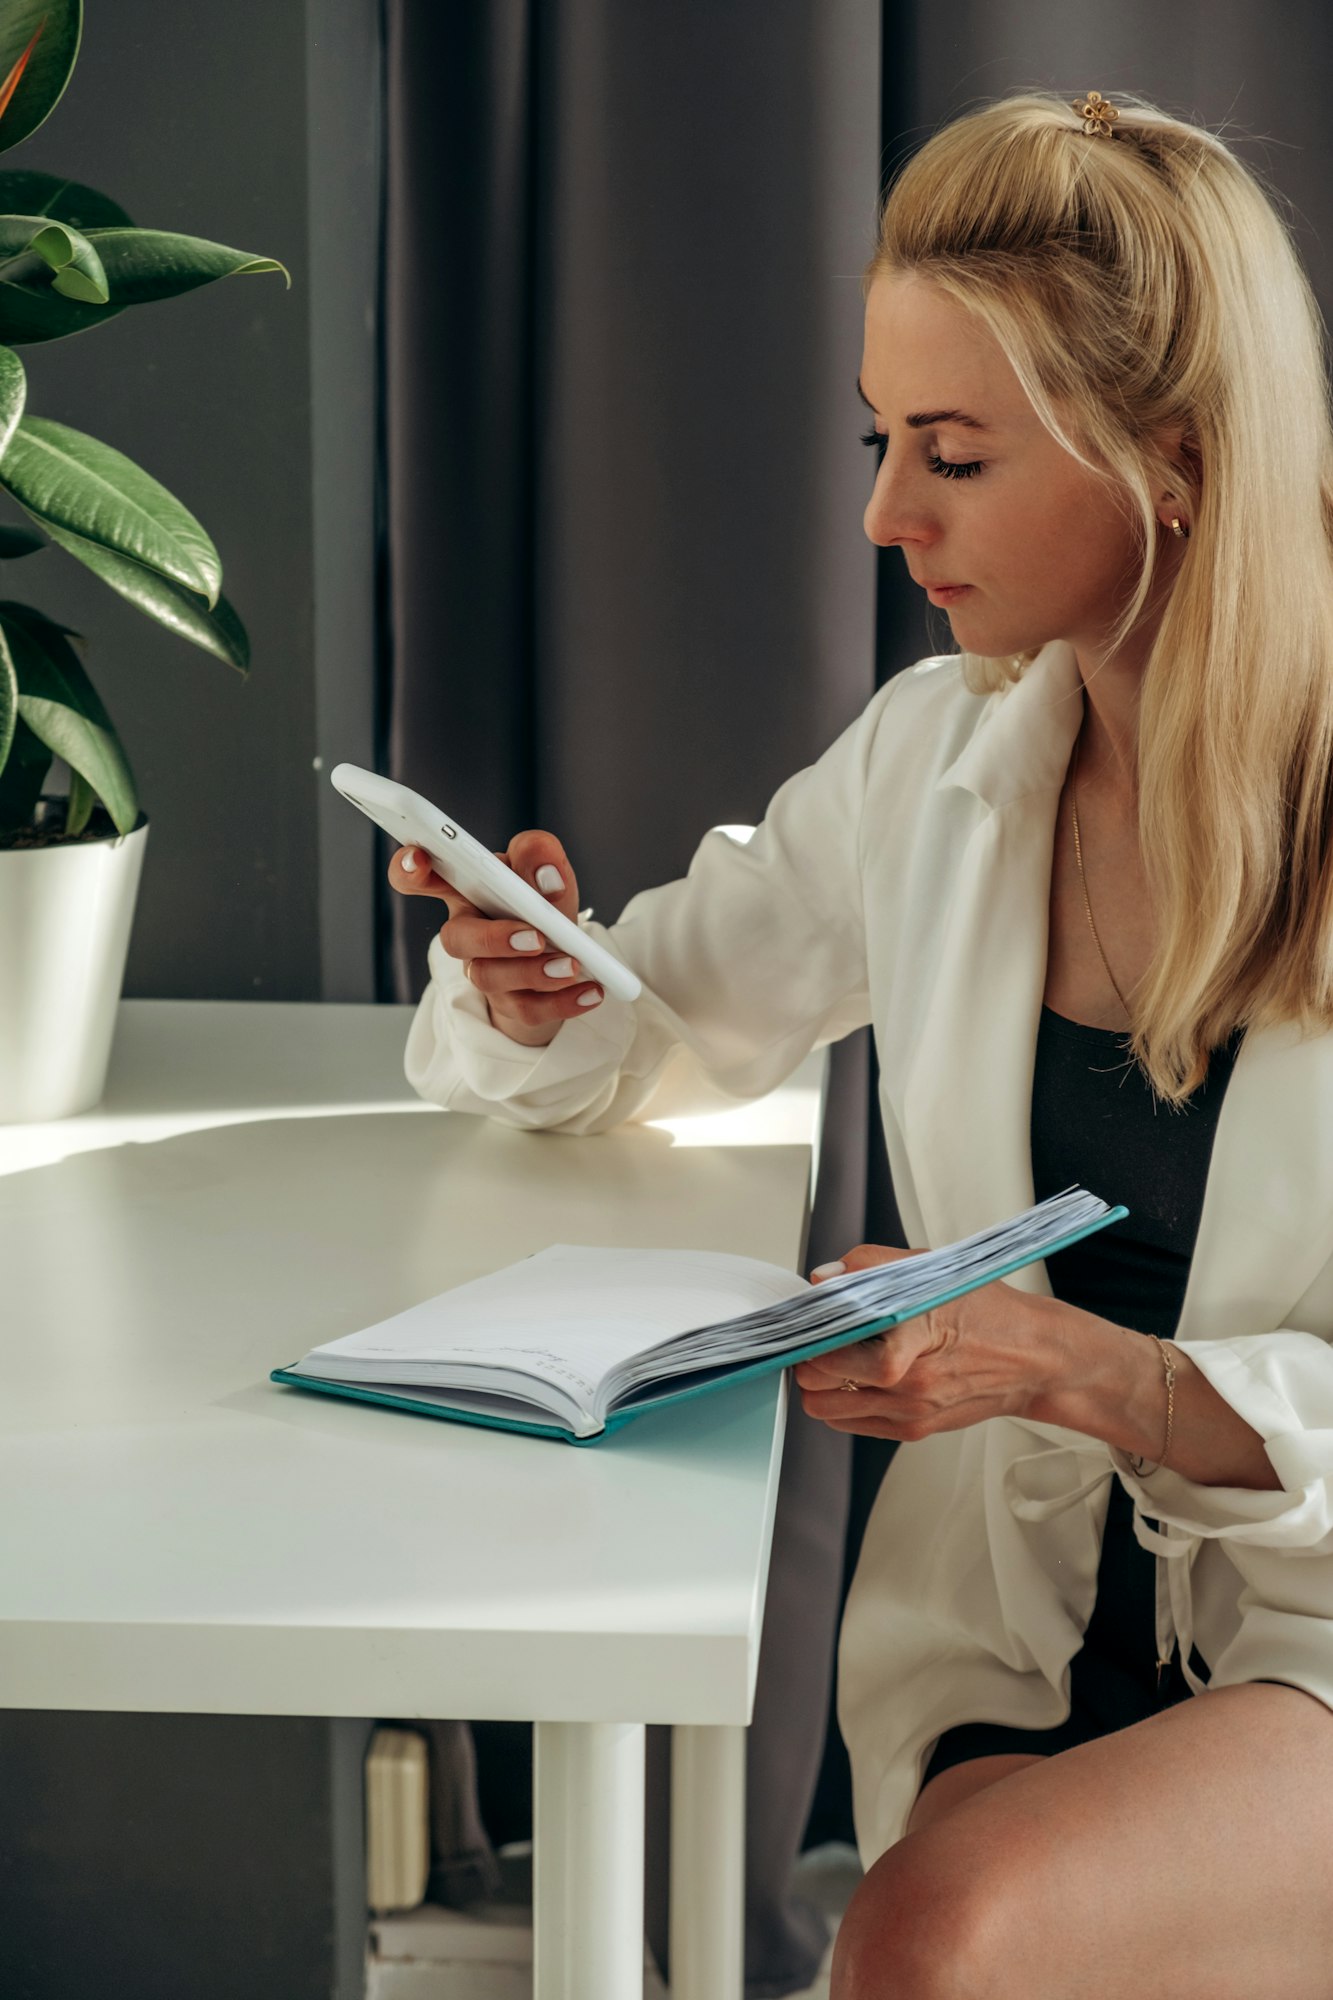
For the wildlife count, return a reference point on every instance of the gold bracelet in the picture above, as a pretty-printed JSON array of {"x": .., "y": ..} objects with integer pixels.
[{"x": 1140, "y": 1469}]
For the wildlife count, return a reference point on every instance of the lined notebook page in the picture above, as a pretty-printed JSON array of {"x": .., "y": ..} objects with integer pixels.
[{"x": 596, "y": 1308}]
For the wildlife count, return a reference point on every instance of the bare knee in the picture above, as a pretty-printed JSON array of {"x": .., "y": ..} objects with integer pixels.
[
  {"x": 949, "y": 1788},
  {"x": 920, "y": 1927}
]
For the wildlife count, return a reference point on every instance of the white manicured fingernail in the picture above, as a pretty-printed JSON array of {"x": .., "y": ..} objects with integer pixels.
[
  {"x": 525, "y": 941},
  {"x": 409, "y": 862},
  {"x": 829, "y": 1270},
  {"x": 559, "y": 968},
  {"x": 549, "y": 879},
  {"x": 590, "y": 999}
]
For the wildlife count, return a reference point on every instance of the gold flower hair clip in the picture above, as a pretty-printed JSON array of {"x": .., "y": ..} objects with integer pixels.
[{"x": 1098, "y": 116}]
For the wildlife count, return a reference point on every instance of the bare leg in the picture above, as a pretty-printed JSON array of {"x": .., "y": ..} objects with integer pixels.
[
  {"x": 962, "y": 1781},
  {"x": 1183, "y": 1858}
]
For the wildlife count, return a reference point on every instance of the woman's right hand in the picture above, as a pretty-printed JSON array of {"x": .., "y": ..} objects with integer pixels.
[{"x": 528, "y": 986}]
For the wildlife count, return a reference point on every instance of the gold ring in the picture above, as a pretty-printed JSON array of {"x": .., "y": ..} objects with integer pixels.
[
  {"x": 467, "y": 970},
  {"x": 853, "y": 1387}
]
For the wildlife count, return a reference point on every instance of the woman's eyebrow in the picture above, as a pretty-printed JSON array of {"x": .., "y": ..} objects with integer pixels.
[{"x": 922, "y": 419}]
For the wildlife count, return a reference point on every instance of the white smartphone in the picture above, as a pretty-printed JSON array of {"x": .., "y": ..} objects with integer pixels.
[{"x": 496, "y": 890}]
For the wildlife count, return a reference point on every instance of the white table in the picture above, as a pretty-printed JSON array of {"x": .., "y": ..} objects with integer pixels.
[{"x": 195, "y": 1539}]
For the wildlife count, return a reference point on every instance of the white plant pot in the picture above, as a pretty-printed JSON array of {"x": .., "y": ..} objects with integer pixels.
[{"x": 65, "y": 916}]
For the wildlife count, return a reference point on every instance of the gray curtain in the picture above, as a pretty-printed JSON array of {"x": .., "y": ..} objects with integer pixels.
[
  {"x": 627, "y": 588},
  {"x": 627, "y": 591}
]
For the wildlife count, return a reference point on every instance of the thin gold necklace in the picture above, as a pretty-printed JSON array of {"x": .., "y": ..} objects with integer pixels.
[{"x": 1078, "y": 856}]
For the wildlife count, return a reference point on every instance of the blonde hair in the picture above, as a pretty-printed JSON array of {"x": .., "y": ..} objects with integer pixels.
[{"x": 1140, "y": 284}]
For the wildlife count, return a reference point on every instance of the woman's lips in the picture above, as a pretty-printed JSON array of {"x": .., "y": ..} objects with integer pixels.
[{"x": 946, "y": 593}]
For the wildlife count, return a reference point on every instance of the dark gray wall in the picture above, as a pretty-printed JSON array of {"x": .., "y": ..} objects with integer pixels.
[
  {"x": 195, "y": 119},
  {"x": 343, "y": 150},
  {"x": 154, "y": 1856}
]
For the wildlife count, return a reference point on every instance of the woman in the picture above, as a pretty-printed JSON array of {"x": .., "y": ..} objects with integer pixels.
[{"x": 1079, "y": 878}]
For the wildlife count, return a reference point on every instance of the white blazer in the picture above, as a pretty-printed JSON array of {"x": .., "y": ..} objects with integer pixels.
[{"x": 904, "y": 880}]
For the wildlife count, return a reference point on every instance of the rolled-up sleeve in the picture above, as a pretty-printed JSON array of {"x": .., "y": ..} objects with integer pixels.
[
  {"x": 751, "y": 959},
  {"x": 1281, "y": 1383}
]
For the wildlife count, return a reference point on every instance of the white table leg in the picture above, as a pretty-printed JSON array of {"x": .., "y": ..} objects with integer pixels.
[
  {"x": 587, "y": 1892},
  {"x": 707, "y": 1863}
]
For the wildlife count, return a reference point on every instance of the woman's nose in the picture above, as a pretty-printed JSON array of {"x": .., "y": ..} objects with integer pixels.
[{"x": 893, "y": 514}]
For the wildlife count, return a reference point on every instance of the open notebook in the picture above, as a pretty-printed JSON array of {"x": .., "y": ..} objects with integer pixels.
[{"x": 573, "y": 1342}]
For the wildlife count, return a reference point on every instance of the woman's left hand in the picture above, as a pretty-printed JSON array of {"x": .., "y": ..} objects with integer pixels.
[{"x": 986, "y": 1354}]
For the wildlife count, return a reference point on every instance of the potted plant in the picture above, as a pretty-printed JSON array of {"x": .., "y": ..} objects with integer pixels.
[{"x": 69, "y": 864}]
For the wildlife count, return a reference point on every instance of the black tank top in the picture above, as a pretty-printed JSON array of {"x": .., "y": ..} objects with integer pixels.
[{"x": 1095, "y": 1123}]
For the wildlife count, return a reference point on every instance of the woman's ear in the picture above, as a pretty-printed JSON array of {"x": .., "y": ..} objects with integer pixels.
[
  {"x": 1184, "y": 462},
  {"x": 1184, "y": 458}
]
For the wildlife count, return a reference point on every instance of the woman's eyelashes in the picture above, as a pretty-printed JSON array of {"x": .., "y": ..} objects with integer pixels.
[{"x": 946, "y": 468}]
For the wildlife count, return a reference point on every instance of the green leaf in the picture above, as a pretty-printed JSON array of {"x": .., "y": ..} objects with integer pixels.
[
  {"x": 79, "y": 808},
  {"x": 141, "y": 266},
  {"x": 43, "y": 81},
  {"x": 218, "y": 631},
  {"x": 22, "y": 779},
  {"x": 147, "y": 264},
  {"x": 60, "y": 199},
  {"x": 63, "y": 710},
  {"x": 32, "y": 247},
  {"x": 13, "y": 395},
  {"x": 16, "y": 542},
  {"x": 68, "y": 480},
  {"x": 77, "y": 266},
  {"x": 9, "y": 701},
  {"x": 27, "y": 315}
]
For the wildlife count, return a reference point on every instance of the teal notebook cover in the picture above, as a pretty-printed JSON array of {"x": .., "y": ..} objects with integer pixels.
[{"x": 725, "y": 1375}]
